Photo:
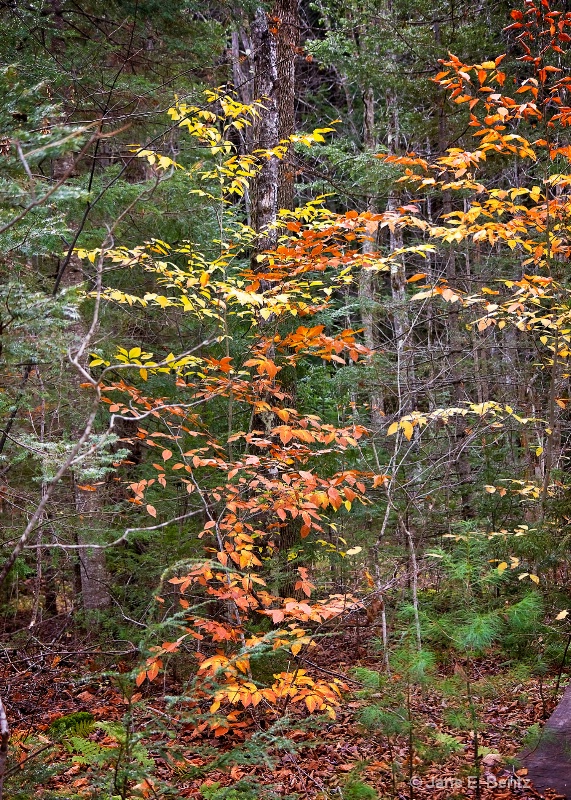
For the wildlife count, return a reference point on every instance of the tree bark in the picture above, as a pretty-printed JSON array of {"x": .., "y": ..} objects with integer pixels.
[
  {"x": 274, "y": 42},
  {"x": 266, "y": 132},
  {"x": 93, "y": 570},
  {"x": 457, "y": 351},
  {"x": 367, "y": 281},
  {"x": 286, "y": 14},
  {"x": 94, "y": 578},
  {"x": 401, "y": 320}
]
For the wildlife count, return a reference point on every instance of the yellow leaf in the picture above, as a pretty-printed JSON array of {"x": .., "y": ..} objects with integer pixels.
[
  {"x": 407, "y": 429},
  {"x": 135, "y": 352},
  {"x": 295, "y": 648},
  {"x": 539, "y": 451},
  {"x": 393, "y": 428},
  {"x": 562, "y": 614},
  {"x": 311, "y": 703},
  {"x": 534, "y": 578},
  {"x": 353, "y": 551},
  {"x": 535, "y": 194},
  {"x": 502, "y": 567}
]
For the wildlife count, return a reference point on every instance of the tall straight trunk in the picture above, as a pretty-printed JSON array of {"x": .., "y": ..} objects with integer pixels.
[
  {"x": 286, "y": 12},
  {"x": 243, "y": 77},
  {"x": 92, "y": 567},
  {"x": 242, "y": 67},
  {"x": 274, "y": 42},
  {"x": 457, "y": 350},
  {"x": 266, "y": 131},
  {"x": 401, "y": 319},
  {"x": 367, "y": 278},
  {"x": 94, "y": 578},
  {"x": 274, "y": 39}
]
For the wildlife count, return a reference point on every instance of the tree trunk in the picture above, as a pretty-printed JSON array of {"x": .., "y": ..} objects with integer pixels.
[
  {"x": 286, "y": 12},
  {"x": 93, "y": 570},
  {"x": 93, "y": 573},
  {"x": 457, "y": 354},
  {"x": 367, "y": 281},
  {"x": 274, "y": 43},
  {"x": 401, "y": 320},
  {"x": 266, "y": 132}
]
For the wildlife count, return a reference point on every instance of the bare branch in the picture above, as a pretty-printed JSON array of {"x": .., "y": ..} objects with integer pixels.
[{"x": 120, "y": 540}]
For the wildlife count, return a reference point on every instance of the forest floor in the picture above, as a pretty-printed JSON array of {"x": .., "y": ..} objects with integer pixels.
[{"x": 41, "y": 684}]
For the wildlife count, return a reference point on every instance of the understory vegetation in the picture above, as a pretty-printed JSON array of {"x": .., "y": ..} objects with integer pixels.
[{"x": 285, "y": 329}]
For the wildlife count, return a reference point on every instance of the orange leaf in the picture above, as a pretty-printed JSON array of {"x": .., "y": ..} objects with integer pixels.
[
  {"x": 153, "y": 670},
  {"x": 270, "y": 368},
  {"x": 285, "y": 433},
  {"x": 311, "y": 703},
  {"x": 152, "y": 510}
]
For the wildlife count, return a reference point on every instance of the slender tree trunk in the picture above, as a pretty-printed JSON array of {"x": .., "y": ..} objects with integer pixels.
[
  {"x": 457, "y": 351},
  {"x": 274, "y": 42},
  {"x": 243, "y": 77},
  {"x": 95, "y": 580},
  {"x": 93, "y": 570},
  {"x": 242, "y": 67},
  {"x": 367, "y": 278},
  {"x": 401, "y": 318},
  {"x": 286, "y": 12},
  {"x": 266, "y": 132}
]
